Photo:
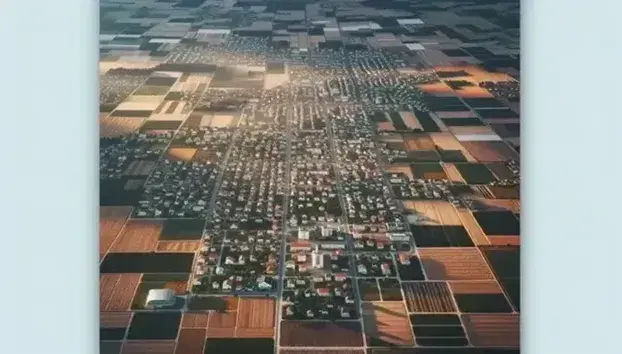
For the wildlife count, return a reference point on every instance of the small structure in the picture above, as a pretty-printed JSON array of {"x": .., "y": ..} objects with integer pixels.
[{"x": 157, "y": 298}]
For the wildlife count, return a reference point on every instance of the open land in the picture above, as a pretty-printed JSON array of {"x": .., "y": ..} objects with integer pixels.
[{"x": 317, "y": 177}]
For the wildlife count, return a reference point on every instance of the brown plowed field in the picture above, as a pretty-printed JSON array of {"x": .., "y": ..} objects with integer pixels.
[
  {"x": 114, "y": 319},
  {"x": 434, "y": 213},
  {"x": 453, "y": 174},
  {"x": 222, "y": 324},
  {"x": 472, "y": 227},
  {"x": 178, "y": 246},
  {"x": 428, "y": 297},
  {"x": 321, "y": 334},
  {"x": 256, "y": 313},
  {"x": 387, "y": 322},
  {"x": 475, "y": 287},
  {"x": 410, "y": 120},
  {"x": 419, "y": 142},
  {"x": 190, "y": 341},
  {"x": 111, "y": 127},
  {"x": 446, "y": 141},
  {"x": 148, "y": 346},
  {"x": 512, "y": 205},
  {"x": 504, "y": 192},
  {"x": 111, "y": 221},
  {"x": 138, "y": 236},
  {"x": 195, "y": 320},
  {"x": 107, "y": 283},
  {"x": 505, "y": 240},
  {"x": 490, "y": 151},
  {"x": 498, "y": 330},
  {"x": 254, "y": 333},
  {"x": 119, "y": 298},
  {"x": 454, "y": 264}
]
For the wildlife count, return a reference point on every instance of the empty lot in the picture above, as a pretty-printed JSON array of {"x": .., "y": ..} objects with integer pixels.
[
  {"x": 138, "y": 236},
  {"x": 386, "y": 324}
]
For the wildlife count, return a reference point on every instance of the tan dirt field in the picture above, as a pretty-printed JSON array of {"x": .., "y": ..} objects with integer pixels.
[
  {"x": 510, "y": 240},
  {"x": 428, "y": 297},
  {"x": 493, "y": 330},
  {"x": 114, "y": 319},
  {"x": 446, "y": 141},
  {"x": 112, "y": 127},
  {"x": 222, "y": 121},
  {"x": 419, "y": 142},
  {"x": 410, "y": 120},
  {"x": 256, "y": 313},
  {"x": 111, "y": 221},
  {"x": 387, "y": 321},
  {"x": 454, "y": 264},
  {"x": 453, "y": 174},
  {"x": 222, "y": 324},
  {"x": 178, "y": 246},
  {"x": 473, "y": 229},
  {"x": 434, "y": 212},
  {"x": 490, "y": 151},
  {"x": 475, "y": 287},
  {"x": 387, "y": 126},
  {"x": 118, "y": 297},
  {"x": 190, "y": 341},
  {"x": 195, "y": 320},
  {"x": 450, "y": 114},
  {"x": 138, "y": 236},
  {"x": 181, "y": 154}
]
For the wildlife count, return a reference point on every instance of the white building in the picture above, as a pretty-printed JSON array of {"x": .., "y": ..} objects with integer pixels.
[
  {"x": 317, "y": 258},
  {"x": 160, "y": 298}
]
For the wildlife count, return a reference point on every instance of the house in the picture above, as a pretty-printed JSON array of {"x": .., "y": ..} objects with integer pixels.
[
  {"x": 323, "y": 291},
  {"x": 226, "y": 285},
  {"x": 362, "y": 269},
  {"x": 220, "y": 270},
  {"x": 340, "y": 276},
  {"x": 157, "y": 298},
  {"x": 264, "y": 286},
  {"x": 386, "y": 268}
]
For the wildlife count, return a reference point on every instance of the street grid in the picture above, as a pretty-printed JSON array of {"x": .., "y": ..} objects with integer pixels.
[{"x": 339, "y": 106}]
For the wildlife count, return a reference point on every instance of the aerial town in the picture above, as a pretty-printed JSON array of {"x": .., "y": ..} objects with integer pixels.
[{"x": 317, "y": 176}]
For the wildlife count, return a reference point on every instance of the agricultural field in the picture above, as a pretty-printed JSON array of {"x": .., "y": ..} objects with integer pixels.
[{"x": 292, "y": 189}]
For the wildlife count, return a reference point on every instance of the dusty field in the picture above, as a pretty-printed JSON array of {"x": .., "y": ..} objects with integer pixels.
[
  {"x": 321, "y": 334},
  {"x": 222, "y": 120},
  {"x": 490, "y": 151},
  {"x": 222, "y": 324},
  {"x": 255, "y": 316},
  {"x": 190, "y": 341},
  {"x": 498, "y": 330},
  {"x": 419, "y": 142},
  {"x": 116, "y": 291},
  {"x": 472, "y": 227},
  {"x": 111, "y": 127},
  {"x": 410, "y": 120},
  {"x": 138, "y": 236},
  {"x": 512, "y": 205},
  {"x": 139, "y": 168},
  {"x": 454, "y": 264},
  {"x": 475, "y": 287},
  {"x": 138, "y": 105},
  {"x": 453, "y": 174},
  {"x": 386, "y": 126},
  {"x": 111, "y": 221},
  {"x": 178, "y": 246},
  {"x": 148, "y": 346},
  {"x": 114, "y": 319},
  {"x": 429, "y": 171},
  {"x": 446, "y": 141},
  {"x": 434, "y": 212},
  {"x": 508, "y": 240},
  {"x": 179, "y": 287},
  {"x": 473, "y": 133},
  {"x": 405, "y": 169},
  {"x": 450, "y": 114},
  {"x": 195, "y": 320},
  {"x": 437, "y": 89},
  {"x": 387, "y": 322},
  {"x": 428, "y": 297},
  {"x": 181, "y": 154},
  {"x": 476, "y": 73}
]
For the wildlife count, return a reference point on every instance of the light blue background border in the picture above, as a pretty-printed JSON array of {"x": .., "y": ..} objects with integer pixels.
[
  {"x": 48, "y": 177},
  {"x": 48, "y": 184}
]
